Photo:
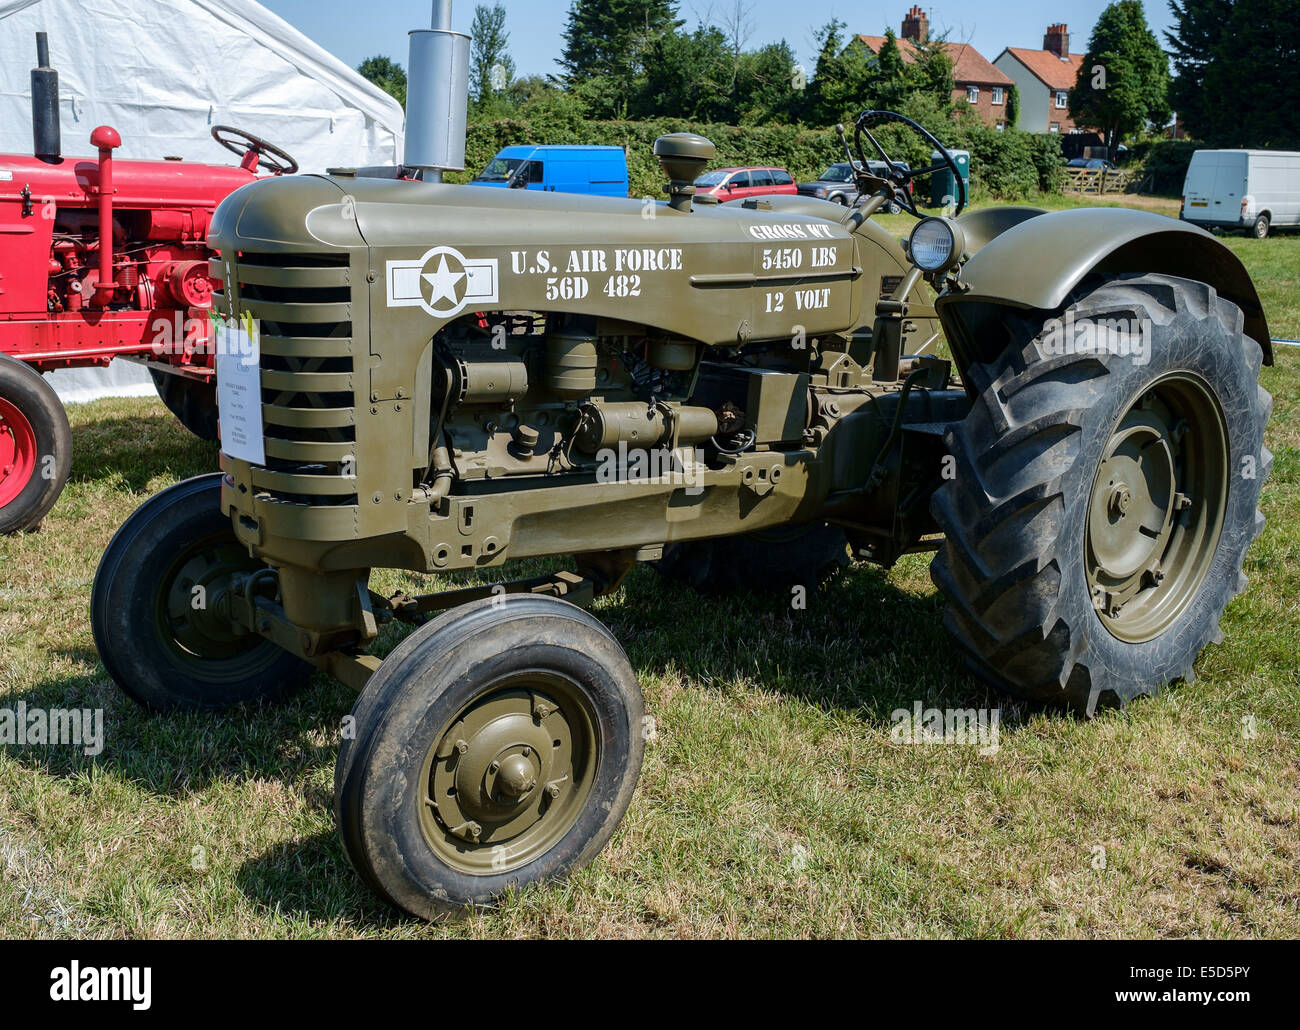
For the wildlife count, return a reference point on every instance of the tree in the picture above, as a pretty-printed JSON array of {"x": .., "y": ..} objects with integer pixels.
[
  {"x": 839, "y": 85},
  {"x": 387, "y": 74},
  {"x": 1199, "y": 27},
  {"x": 488, "y": 41},
  {"x": 765, "y": 90},
  {"x": 606, "y": 37},
  {"x": 1123, "y": 82},
  {"x": 686, "y": 76},
  {"x": 1235, "y": 61}
]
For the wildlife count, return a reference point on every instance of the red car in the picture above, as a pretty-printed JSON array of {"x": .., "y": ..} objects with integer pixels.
[{"x": 735, "y": 183}]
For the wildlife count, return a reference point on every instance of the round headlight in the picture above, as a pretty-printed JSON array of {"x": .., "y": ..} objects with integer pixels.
[{"x": 933, "y": 244}]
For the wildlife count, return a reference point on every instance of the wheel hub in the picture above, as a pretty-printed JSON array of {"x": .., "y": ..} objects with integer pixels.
[
  {"x": 507, "y": 778},
  {"x": 1156, "y": 507},
  {"x": 193, "y": 603},
  {"x": 17, "y": 452}
]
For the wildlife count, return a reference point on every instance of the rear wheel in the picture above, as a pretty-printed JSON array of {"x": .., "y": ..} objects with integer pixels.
[
  {"x": 35, "y": 446},
  {"x": 497, "y": 746},
  {"x": 194, "y": 403},
  {"x": 1260, "y": 229},
  {"x": 159, "y": 608},
  {"x": 1105, "y": 496},
  {"x": 767, "y": 560}
]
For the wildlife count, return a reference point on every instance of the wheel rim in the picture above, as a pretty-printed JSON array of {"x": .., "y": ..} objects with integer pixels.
[
  {"x": 17, "y": 452},
  {"x": 192, "y": 612},
  {"x": 1156, "y": 509},
  {"x": 508, "y": 777}
]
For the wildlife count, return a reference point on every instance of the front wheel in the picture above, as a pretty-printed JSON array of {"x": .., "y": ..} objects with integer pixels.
[
  {"x": 159, "y": 608},
  {"x": 1106, "y": 490},
  {"x": 35, "y": 447},
  {"x": 497, "y": 746}
]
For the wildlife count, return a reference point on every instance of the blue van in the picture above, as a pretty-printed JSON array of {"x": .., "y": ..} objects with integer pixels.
[{"x": 601, "y": 171}]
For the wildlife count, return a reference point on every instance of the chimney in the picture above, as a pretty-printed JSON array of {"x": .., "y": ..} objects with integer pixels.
[
  {"x": 1057, "y": 40},
  {"x": 916, "y": 26}
]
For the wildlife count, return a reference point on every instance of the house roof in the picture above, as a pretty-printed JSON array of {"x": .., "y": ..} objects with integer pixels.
[
  {"x": 1047, "y": 67},
  {"x": 968, "y": 64}
]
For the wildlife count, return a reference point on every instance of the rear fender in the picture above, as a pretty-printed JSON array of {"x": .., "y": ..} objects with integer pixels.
[{"x": 1035, "y": 265}]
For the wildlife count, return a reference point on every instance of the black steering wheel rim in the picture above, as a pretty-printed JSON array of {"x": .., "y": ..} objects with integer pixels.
[
  {"x": 863, "y": 124},
  {"x": 284, "y": 164}
]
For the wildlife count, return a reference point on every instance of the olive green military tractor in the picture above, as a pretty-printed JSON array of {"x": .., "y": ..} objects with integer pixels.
[{"x": 1064, "y": 406}]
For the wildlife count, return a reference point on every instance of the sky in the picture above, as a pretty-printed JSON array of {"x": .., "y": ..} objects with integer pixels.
[{"x": 536, "y": 27}]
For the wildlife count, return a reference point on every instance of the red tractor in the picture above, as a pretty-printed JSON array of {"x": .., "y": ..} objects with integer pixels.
[{"x": 102, "y": 259}]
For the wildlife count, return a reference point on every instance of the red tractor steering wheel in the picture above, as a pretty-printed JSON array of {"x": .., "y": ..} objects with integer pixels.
[{"x": 269, "y": 156}]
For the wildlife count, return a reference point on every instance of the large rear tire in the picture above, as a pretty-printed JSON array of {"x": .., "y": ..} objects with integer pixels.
[
  {"x": 497, "y": 746},
  {"x": 1103, "y": 504},
  {"x": 35, "y": 446},
  {"x": 192, "y": 402},
  {"x": 157, "y": 609}
]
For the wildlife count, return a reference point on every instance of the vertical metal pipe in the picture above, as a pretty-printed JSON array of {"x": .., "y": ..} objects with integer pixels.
[{"x": 107, "y": 140}]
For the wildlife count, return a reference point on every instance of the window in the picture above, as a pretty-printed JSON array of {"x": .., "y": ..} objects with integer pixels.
[
  {"x": 972, "y": 94},
  {"x": 1062, "y": 98},
  {"x": 997, "y": 94},
  {"x": 1001, "y": 125},
  {"x": 1054, "y": 127},
  {"x": 740, "y": 180},
  {"x": 534, "y": 171},
  {"x": 761, "y": 177},
  {"x": 780, "y": 178}
]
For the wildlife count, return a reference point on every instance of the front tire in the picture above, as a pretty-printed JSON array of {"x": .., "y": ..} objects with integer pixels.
[
  {"x": 497, "y": 746},
  {"x": 1103, "y": 503},
  {"x": 156, "y": 608},
  {"x": 35, "y": 446}
]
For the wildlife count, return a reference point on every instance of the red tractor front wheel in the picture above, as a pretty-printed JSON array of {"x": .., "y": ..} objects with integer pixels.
[{"x": 35, "y": 447}]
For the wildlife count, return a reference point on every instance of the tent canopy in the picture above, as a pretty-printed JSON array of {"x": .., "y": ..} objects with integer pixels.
[{"x": 163, "y": 72}]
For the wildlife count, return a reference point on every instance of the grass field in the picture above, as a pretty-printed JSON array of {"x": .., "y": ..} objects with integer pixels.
[{"x": 773, "y": 800}]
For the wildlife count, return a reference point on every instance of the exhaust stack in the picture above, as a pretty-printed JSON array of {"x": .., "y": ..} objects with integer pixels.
[
  {"x": 46, "y": 143},
  {"x": 437, "y": 93}
]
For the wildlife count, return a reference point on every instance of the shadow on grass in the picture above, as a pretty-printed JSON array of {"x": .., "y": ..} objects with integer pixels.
[
  {"x": 861, "y": 645},
  {"x": 176, "y": 754},
  {"x": 133, "y": 449}
]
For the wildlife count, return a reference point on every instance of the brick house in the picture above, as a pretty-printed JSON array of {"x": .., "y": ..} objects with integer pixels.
[
  {"x": 1044, "y": 78},
  {"x": 976, "y": 82}
]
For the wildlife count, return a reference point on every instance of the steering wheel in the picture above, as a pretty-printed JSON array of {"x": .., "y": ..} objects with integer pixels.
[
  {"x": 268, "y": 155},
  {"x": 898, "y": 177}
]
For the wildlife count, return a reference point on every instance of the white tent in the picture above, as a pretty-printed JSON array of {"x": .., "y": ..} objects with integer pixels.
[{"x": 163, "y": 72}]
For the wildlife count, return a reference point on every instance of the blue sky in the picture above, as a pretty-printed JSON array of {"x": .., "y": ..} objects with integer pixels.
[{"x": 355, "y": 30}]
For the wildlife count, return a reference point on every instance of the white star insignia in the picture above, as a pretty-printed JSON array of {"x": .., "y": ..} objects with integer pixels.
[{"x": 443, "y": 282}]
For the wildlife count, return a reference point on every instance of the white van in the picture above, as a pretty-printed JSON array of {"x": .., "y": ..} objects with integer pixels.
[{"x": 1242, "y": 189}]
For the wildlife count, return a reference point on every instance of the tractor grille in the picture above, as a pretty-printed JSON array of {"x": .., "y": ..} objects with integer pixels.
[{"x": 303, "y": 303}]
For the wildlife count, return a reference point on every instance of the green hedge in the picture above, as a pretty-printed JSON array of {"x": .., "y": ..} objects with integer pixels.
[
  {"x": 1163, "y": 165},
  {"x": 1006, "y": 165}
]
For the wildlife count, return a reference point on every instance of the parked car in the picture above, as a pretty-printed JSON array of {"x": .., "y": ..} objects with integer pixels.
[
  {"x": 1093, "y": 164},
  {"x": 837, "y": 184},
  {"x": 599, "y": 171},
  {"x": 1242, "y": 189},
  {"x": 737, "y": 183}
]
